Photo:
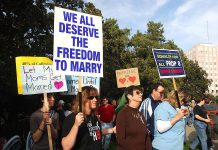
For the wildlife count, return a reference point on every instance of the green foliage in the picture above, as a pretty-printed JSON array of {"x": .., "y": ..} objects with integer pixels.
[
  {"x": 27, "y": 30},
  {"x": 140, "y": 55},
  {"x": 115, "y": 42},
  {"x": 216, "y": 99}
]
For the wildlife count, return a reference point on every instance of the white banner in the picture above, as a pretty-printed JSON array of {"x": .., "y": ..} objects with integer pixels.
[
  {"x": 73, "y": 84},
  {"x": 78, "y": 43},
  {"x": 40, "y": 79}
]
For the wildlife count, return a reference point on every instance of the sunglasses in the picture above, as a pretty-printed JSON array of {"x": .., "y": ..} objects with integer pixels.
[
  {"x": 138, "y": 92},
  {"x": 92, "y": 97}
]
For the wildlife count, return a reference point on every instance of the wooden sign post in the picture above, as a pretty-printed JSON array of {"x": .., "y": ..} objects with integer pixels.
[
  {"x": 46, "y": 106},
  {"x": 176, "y": 92},
  {"x": 169, "y": 65},
  {"x": 80, "y": 93}
]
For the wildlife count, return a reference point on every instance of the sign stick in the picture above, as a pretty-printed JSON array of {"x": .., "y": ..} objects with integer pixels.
[
  {"x": 80, "y": 93},
  {"x": 48, "y": 125},
  {"x": 176, "y": 92}
]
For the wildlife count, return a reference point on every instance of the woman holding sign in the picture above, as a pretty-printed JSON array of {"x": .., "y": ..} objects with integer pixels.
[
  {"x": 169, "y": 124},
  {"x": 83, "y": 130}
]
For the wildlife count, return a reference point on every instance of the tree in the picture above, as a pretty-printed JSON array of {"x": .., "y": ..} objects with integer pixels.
[
  {"x": 141, "y": 53},
  {"x": 115, "y": 42},
  {"x": 27, "y": 30},
  {"x": 141, "y": 56}
]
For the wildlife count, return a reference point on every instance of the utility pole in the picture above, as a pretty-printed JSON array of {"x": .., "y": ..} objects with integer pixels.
[{"x": 207, "y": 33}]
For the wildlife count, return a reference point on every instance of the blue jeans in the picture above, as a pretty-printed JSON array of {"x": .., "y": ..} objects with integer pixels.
[
  {"x": 201, "y": 137},
  {"x": 106, "y": 138}
]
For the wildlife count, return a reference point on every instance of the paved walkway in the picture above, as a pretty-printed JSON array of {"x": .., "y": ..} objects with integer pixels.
[{"x": 190, "y": 134}]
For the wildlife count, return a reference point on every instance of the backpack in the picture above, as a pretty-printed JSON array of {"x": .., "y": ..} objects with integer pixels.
[
  {"x": 13, "y": 143},
  {"x": 29, "y": 141}
]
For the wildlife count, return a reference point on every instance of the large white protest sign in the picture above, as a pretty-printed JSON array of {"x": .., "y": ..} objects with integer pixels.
[
  {"x": 78, "y": 44},
  {"x": 73, "y": 84},
  {"x": 40, "y": 79}
]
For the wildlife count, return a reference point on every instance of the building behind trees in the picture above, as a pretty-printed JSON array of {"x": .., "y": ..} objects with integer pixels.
[{"x": 207, "y": 57}]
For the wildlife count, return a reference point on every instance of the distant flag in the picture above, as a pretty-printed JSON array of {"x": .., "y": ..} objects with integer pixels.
[{"x": 121, "y": 103}]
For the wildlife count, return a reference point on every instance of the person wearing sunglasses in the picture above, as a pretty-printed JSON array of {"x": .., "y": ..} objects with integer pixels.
[
  {"x": 106, "y": 115},
  {"x": 149, "y": 105},
  {"x": 130, "y": 123},
  {"x": 82, "y": 130}
]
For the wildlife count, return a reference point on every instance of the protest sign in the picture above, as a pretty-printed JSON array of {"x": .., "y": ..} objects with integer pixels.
[
  {"x": 27, "y": 60},
  {"x": 73, "y": 84},
  {"x": 78, "y": 44},
  {"x": 41, "y": 79},
  {"x": 127, "y": 77},
  {"x": 168, "y": 63}
]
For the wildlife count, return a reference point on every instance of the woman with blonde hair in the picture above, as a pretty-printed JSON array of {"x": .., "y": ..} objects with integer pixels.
[
  {"x": 169, "y": 124},
  {"x": 82, "y": 130}
]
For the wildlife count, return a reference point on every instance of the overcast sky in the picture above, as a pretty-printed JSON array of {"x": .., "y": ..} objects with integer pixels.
[{"x": 185, "y": 21}]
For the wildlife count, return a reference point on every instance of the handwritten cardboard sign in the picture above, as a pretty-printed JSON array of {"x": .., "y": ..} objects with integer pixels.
[
  {"x": 78, "y": 43},
  {"x": 169, "y": 63},
  {"x": 73, "y": 84},
  {"x": 41, "y": 79},
  {"x": 28, "y": 60},
  {"x": 127, "y": 77}
]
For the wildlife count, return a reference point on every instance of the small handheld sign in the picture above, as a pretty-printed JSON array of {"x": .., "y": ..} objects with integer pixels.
[
  {"x": 73, "y": 83},
  {"x": 28, "y": 60},
  {"x": 169, "y": 65},
  {"x": 40, "y": 78},
  {"x": 127, "y": 77}
]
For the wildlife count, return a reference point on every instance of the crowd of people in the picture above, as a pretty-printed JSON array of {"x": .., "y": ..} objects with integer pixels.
[{"x": 155, "y": 123}]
